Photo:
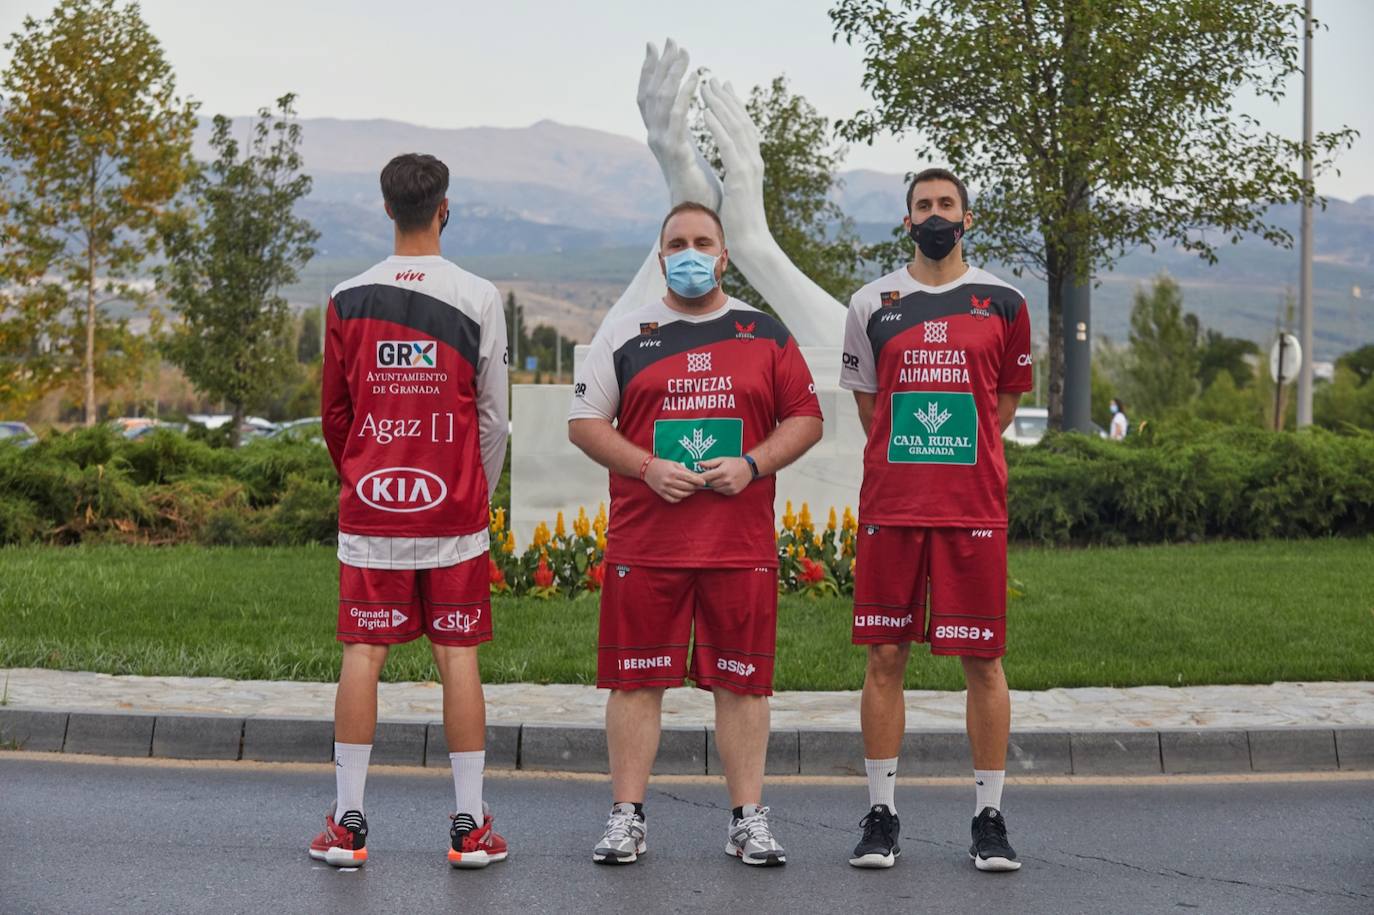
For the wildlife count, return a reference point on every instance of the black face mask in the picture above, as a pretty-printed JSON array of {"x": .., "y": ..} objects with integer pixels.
[{"x": 937, "y": 236}]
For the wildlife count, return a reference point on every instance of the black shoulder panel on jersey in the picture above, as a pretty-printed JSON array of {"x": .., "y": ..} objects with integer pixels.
[
  {"x": 658, "y": 341},
  {"x": 410, "y": 308},
  {"x": 921, "y": 306}
]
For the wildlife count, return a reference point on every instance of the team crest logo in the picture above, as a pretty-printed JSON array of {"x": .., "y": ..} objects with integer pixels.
[
  {"x": 648, "y": 329},
  {"x": 980, "y": 308},
  {"x": 872, "y": 529},
  {"x": 890, "y": 299},
  {"x": 745, "y": 331},
  {"x": 622, "y": 571}
]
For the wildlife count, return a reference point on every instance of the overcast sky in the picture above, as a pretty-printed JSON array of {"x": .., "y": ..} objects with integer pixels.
[{"x": 509, "y": 63}]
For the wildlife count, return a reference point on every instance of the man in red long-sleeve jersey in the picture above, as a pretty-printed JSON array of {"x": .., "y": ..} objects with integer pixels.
[{"x": 415, "y": 415}]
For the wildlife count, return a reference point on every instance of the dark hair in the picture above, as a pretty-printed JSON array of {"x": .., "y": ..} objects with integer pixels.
[
  {"x": 691, "y": 206},
  {"x": 936, "y": 174},
  {"x": 413, "y": 186}
]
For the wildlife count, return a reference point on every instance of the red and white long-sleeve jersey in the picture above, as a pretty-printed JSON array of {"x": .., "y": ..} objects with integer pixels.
[{"x": 414, "y": 411}]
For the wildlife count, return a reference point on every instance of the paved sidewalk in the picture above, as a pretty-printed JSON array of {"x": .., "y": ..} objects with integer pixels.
[
  {"x": 1099, "y": 731},
  {"x": 1083, "y": 709}
]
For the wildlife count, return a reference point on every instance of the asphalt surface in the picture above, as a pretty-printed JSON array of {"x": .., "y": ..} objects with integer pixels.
[{"x": 102, "y": 837}]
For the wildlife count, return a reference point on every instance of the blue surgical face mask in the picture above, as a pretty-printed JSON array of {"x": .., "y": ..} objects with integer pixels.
[
  {"x": 1114, "y": 408},
  {"x": 690, "y": 273}
]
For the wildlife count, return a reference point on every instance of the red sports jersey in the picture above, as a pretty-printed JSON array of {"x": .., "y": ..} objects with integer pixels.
[
  {"x": 936, "y": 357},
  {"x": 414, "y": 411},
  {"x": 690, "y": 388}
]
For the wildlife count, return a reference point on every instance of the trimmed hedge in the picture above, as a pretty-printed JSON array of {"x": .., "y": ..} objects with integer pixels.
[{"x": 1172, "y": 483}]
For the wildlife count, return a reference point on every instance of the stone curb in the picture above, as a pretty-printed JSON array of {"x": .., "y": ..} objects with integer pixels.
[{"x": 691, "y": 750}]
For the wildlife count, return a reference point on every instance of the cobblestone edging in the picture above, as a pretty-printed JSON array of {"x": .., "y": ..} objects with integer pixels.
[{"x": 690, "y": 750}]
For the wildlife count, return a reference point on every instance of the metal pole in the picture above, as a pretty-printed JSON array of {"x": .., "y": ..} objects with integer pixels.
[
  {"x": 1305, "y": 319},
  {"x": 1278, "y": 385}
]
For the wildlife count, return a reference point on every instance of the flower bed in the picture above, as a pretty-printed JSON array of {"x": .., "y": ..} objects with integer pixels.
[{"x": 563, "y": 563}]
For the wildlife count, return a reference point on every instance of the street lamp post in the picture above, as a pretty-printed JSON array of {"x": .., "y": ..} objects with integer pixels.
[{"x": 1305, "y": 281}]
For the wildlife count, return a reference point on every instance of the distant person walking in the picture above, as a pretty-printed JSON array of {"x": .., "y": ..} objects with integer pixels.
[{"x": 1119, "y": 421}]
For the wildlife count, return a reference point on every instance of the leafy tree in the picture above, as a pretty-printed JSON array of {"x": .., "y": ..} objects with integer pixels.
[
  {"x": 1360, "y": 361},
  {"x": 1089, "y": 127},
  {"x": 1219, "y": 354},
  {"x": 308, "y": 347},
  {"x": 1227, "y": 401},
  {"x": 223, "y": 273},
  {"x": 98, "y": 143},
  {"x": 1344, "y": 400},
  {"x": 800, "y": 158},
  {"x": 1164, "y": 358}
]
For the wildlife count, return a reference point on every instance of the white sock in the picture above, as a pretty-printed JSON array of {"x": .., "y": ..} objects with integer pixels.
[
  {"x": 467, "y": 782},
  {"x": 350, "y": 776},
  {"x": 882, "y": 782},
  {"x": 988, "y": 785}
]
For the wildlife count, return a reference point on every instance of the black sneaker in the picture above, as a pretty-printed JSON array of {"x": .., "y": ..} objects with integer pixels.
[
  {"x": 878, "y": 847},
  {"x": 990, "y": 850}
]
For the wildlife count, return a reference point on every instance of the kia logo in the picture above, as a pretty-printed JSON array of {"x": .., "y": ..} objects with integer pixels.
[{"x": 401, "y": 489}]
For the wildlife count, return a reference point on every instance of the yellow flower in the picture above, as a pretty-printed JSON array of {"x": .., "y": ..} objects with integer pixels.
[
  {"x": 509, "y": 546},
  {"x": 600, "y": 523},
  {"x": 559, "y": 530},
  {"x": 817, "y": 540},
  {"x": 849, "y": 523},
  {"x": 791, "y": 551},
  {"x": 831, "y": 524},
  {"x": 804, "y": 520},
  {"x": 788, "y": 519},
  {"x": 541, "y": 535},
  {"x": 851, "y": 565},
  {"x": 582, "y": 526},
  {"x": 601, "y": 541}
]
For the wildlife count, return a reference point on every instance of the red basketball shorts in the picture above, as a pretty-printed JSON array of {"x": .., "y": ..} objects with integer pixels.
[
  {"x": 945, "y": 586},
  {"x": 451, "y": 605},
  {"x": 647, "y": 621}
]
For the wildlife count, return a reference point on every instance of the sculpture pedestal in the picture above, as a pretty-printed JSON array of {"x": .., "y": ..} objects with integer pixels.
[{"x": 549, "y": 475}]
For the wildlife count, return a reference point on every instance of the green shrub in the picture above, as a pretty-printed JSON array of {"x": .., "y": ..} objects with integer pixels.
[{"x": 307, "y": 513}]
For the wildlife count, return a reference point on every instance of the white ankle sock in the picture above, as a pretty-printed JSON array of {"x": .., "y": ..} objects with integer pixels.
[
  {"x": 882, "y": 782},
  {"x": 988, "y": 785},
  {"x": 350, "y": 776},
  {"x": 467, "y": 782}
]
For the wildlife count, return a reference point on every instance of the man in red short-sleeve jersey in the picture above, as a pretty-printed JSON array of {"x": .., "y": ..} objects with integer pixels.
[
  {"x": 693, "y": 403},
  {"x": 937, "y": 354},
  {"x": 414, "y": 414}
]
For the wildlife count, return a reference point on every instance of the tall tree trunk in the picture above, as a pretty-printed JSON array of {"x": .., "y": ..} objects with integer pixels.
[
  {"x": 1054, "y": 387},
  {"x": 235, "y": 436},
  {"x": 89, "y": 361}
]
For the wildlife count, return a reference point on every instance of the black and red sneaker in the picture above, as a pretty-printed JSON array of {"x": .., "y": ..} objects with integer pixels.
[
  {"x": 473, "y": 847},
  {"x": 343, "y": 843}
]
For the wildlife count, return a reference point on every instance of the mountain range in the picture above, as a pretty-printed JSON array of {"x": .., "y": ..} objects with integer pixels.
[{"x": 526, "y": 200}]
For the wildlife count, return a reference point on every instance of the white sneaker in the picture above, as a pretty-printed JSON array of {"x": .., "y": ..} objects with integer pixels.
[
  {"x": 623, "y": 842},
  {"x": 751, "y": 839}
]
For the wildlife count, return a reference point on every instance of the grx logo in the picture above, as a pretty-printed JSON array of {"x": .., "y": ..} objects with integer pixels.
[
  {"x": 698, "y": 362},
  {"x": 405, "y": 354},
  {"x": 933, "y": 417},
  {"x": 937, "y": 332}
]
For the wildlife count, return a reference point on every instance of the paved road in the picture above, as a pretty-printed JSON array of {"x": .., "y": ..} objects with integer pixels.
[{"x": 92, "y": 837}]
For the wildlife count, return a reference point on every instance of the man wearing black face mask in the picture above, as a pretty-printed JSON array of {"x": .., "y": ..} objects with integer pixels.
[{"x": 937, "y": 354}]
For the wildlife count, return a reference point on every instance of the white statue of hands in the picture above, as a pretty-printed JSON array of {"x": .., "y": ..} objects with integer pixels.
[
  {"x": 810, "y": 313},
  {"x": 664, "y": 98}
]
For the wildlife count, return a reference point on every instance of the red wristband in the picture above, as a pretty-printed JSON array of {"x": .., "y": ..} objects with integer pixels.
[{"x": 643, "y": 468}]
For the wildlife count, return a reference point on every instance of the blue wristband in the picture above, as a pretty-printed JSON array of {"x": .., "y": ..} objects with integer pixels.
[{"x": 753, "y": 468}]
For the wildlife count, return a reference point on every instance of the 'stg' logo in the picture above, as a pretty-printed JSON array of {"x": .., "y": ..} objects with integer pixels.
[
  {"x": 405, "y": 354},
  {"x": 458, "y": 621}
]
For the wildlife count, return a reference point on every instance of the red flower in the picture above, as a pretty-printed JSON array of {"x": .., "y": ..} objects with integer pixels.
[
  {"x": 596, "y": 575},
  {"x": 812, "y": 572},
  {"x": 543, "y": 576},
  {"x": 497, "y": 577}
]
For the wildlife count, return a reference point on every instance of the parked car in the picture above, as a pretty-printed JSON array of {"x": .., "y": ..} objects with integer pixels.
[
  {"x": 135, "y": 427},
  {"x": 251, "y": 428},
  {"x": 17, "y": 434},
  {"x": 1029, "y": 424},
  {"x": 308, "y": 429}
]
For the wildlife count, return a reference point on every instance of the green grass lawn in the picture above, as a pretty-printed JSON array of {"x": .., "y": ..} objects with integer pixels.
[{"x": 1211, "y": 613}]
